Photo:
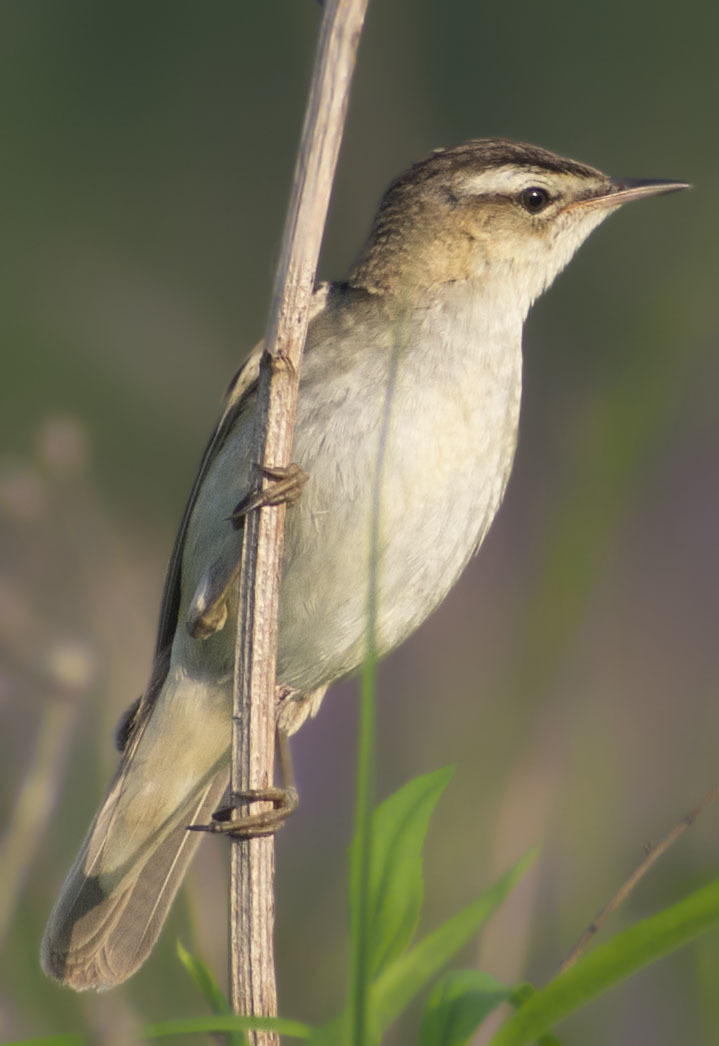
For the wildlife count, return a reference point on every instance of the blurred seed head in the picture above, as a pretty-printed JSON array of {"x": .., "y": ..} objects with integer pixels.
[
  {"x": 62, "y": 445},
  {"x": 71, "y": 664}
]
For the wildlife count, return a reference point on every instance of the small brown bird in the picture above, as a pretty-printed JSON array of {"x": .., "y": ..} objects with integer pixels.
[{"x": 422, "y": 342}]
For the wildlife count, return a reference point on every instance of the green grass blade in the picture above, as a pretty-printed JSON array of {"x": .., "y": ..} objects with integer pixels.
[
  {"x": 204, "y": 980},
  {"x": 224, "y": 1023},
  {"x": 359, "y": 892},
  {"x": 209, "y": 989},
  {"x": 457, "y": 1005},
  {"x": 611, "y": 963},
  {"x": 361, "y": 856},
  {"x": 407, "y": 975},
  {"x": 50, "y": 1040}
]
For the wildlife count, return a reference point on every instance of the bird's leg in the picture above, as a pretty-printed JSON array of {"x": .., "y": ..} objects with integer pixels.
[
  {"x": 284, "y": 800},
  {"x": 284, "y": 487}
]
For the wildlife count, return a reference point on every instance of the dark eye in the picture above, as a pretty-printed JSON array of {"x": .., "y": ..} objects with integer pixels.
[{"x": 534, "y": 199}]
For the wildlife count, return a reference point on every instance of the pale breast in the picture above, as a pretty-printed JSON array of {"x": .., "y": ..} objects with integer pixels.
[
  {"x": 407, "y": 432},
  {"x": 412, "y": 451}
]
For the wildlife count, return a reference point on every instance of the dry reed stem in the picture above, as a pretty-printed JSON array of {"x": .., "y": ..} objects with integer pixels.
[
  {"x": 653, "y": 855},
  {"x": 253, "y": 989}
]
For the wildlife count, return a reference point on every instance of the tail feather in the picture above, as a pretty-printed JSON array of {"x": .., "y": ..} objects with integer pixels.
[{"x": 104, "y": 926}]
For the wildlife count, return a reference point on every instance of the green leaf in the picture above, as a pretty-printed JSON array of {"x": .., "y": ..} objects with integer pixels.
[
  {"x": 521, "y": 994},
  {"x": 399, "y": 826},
  {"x": 610, "y": 963},
  {"x": 408, "y": 974},
  {"x": 224, "y": 1023},
  {"x": 457, "y": 1005}
]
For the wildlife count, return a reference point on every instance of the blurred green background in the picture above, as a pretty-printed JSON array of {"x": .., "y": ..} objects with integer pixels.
[{"x": 147, "y": 152}]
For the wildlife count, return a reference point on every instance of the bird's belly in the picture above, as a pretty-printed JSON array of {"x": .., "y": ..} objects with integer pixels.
[{"x": 365, "y": 552}]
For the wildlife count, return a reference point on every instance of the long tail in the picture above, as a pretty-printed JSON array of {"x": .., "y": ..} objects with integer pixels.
[
  {"x": 102, "y": 929},
  {"x": 117, "y": 894}
]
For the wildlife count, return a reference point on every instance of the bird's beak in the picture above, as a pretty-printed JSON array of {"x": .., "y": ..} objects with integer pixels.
[{"x": 626, "y": 189}]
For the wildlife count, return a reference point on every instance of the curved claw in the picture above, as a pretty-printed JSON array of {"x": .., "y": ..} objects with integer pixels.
[
  {"x": 284, "y": 487},
  {"x": 250, "y": 826}
]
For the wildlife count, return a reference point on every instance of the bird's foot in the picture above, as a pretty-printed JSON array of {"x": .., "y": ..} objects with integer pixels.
[
  {"x": 246, "y": 825},
  {"x": 284, "y": 801},
  {"x": 284, "y": 487}
]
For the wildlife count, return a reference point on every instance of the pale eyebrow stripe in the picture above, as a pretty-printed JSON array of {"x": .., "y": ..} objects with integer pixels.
[{"x": 503, "y": 180}]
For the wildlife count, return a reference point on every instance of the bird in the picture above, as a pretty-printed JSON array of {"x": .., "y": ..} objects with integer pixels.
[{"x": 407, "y": 422}]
